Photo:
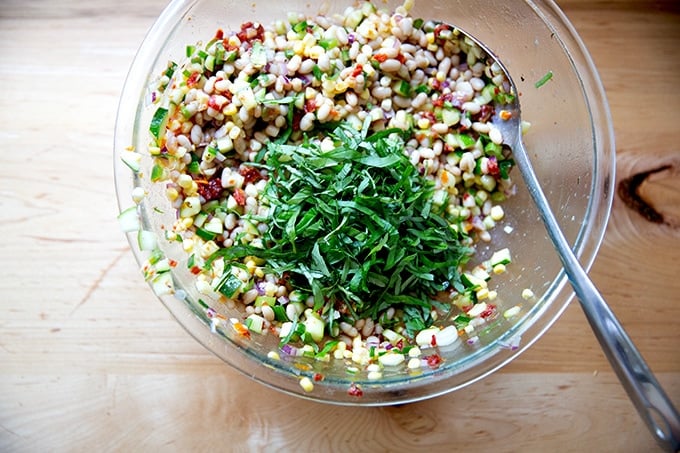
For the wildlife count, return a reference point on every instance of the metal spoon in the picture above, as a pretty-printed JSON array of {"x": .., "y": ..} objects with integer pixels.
[{"x": 652, "y": 403}]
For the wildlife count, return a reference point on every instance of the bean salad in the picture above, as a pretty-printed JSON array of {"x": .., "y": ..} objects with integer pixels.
[{"x": 331, "y": 177}]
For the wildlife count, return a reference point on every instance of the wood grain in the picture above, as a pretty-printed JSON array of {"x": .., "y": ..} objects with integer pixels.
[{"x": 91, "y": 361}]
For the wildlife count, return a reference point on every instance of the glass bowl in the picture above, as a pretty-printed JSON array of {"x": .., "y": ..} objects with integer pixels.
[{"x": 570, "y": 142}]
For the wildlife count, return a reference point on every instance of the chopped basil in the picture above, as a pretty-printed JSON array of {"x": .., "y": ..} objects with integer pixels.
[
  {"x": 543, "y": 80},
  {"x": 356, "y": 225}
]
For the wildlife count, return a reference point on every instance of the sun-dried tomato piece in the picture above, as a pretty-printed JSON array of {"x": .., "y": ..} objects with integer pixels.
[
  {"x": 211, "y": 190},
  {"x": 250, "y": 174}
]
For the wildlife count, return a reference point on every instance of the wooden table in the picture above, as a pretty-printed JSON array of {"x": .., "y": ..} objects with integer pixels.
[{"x": 90, "y": 361}]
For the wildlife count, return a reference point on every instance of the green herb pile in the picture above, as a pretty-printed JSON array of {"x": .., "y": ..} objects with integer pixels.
[{"x": 357, "y": 227}]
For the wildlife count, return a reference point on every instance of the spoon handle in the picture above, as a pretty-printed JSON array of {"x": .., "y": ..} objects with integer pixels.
[{"x": 652, "y": 403}]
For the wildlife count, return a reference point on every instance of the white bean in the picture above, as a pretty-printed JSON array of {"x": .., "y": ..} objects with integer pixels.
[{"x": 390, "y": 65}]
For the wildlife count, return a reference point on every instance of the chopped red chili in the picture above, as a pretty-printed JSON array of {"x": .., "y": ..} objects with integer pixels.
[
  {"x": 380, "y": 57},
  {"x": 355, "y": 390},
  {"x": 492, "y": 166},
  {"x": 250, "y": 32},
  {"x": 485, "y": 113},
  {"x": 310, "y": 105},
  {"x": 434, "y": 360},
  {"x": 193, "y": 79},
  {"x": 490, "y": 310},
  {"x": 240, "y": 197}
]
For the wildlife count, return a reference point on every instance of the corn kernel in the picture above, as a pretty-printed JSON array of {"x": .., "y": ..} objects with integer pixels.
[
  {"x": 482, "y": 294},
  {"x": 510, "y": 312},
  {"x": 174, "y": 125},
  {"x": 423, "y": 123},
  {"x": 230, "y": 110},
  {"x": 374, "y": 375},
  {"x": 172, "y": 193},
  {"x": 187, "y": 222},
  {"x": 340, "y": 86},
  {"x": 208, "y": 249},
  {"x": 527, "y": 294},
  {"x": 499, "y": 268},
  {"x": 188, "y": 245},
  {"x": 497, "y": 213},
  {"x": 429, "y": 37},
  {"x": 306, "y": 384},
  {"x": 493, "y": 295},
  {"x": 184, "y": 181},
  {"x": 234, "y": 41},
  {"x": 273, "y": 355},
  {"x": 315, "y": 52},
  {"x": 505, "y": 115},
  {"x": 192, "y": 189}
]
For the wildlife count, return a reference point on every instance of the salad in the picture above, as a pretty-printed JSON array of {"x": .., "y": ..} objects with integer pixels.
[{"x": 331, "y": 177}]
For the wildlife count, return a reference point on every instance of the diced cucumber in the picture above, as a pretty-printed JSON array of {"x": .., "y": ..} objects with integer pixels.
[
  {"x": 286, "y": 329},
  {"x": 314, "y": 325},
  {"x": 209, "y": 63},
  {"x": 488, "y": 93},
  {"x": 132, "y": 159},
  {"x": 354, "y": 18},
  {"x": 158, "y": 122},
  {"x": 146, "y": 240},
  {"x": 162, "y": 284},
  {"x": 501, "y": 257},
  {"x": 450, "y": 116},
  {"x": 157, "y": 173},
  {"x": 403, "y": 88},
  {"x": 214, "y": 226},
  {"x": 392, "y": 336},
  {"x": 229, "y": 285},
  {"x": 265, "y": 300},
  {"x": 471, "y": 281},
  {"x": 481, "y": 274},
  {"x": 440, "y": 197},
  {"x": 465, "y": 141},
  {"x": 162, "y": 265},
  {"x": 255, "y": 323},
  {"x": 129, "y": 220},
  {"x": 205, "y": 234},
  {"x": 224, "y": 144},
  {"x": 200, "y": 219},
  {"x": 258, "y": 55}
]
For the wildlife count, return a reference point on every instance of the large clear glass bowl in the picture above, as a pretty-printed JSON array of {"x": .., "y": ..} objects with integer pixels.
[{"x": 570, "y": 142}]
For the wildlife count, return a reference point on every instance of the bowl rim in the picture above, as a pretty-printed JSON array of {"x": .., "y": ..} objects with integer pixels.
[{"x": 540, "y": 318}]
